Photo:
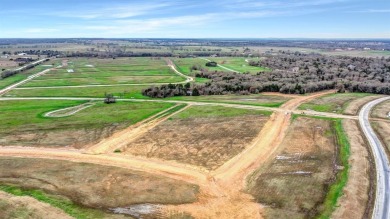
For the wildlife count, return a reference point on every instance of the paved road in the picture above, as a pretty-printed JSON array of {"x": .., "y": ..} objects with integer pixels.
[
  {"x": 382, "y": 198},
  {"x": 13, "y": 86}
]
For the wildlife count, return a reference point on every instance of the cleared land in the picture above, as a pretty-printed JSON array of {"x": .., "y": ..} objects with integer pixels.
[
  {"x": 108, "y": 71},
  {"x": 95, "y": 186},
  {"x": 26, "y": 207},
  {"x": 24, "y": 124},
  {"x": 272, "y": 100},
  {"x": 205, "y": 136},
  {"x": 338, "y": 103},
  {"x": 295, "y": 183}
]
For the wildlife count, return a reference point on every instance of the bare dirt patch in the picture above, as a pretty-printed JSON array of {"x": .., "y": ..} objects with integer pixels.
[
  {"x": 354, "y": 201},
  {"x": 7, "y": 64},
  {"x": 293, "y": 185},
  {"x": 76, "y": 138},
  {"x": 95, "y": 186},
  {"x": 206, "y": 142},
  {"x": 27, "y": 207}
]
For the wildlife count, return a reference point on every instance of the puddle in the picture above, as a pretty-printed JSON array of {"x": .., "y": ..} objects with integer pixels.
[{"x": 141, "y": 211}]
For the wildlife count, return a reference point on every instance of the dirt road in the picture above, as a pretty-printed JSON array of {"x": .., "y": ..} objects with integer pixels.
[{"x": 122, "y": 138}]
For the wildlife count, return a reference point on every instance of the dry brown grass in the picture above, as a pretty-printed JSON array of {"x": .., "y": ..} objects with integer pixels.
[
  {"x": 94, "y": 185},
  {"x": 77, "y": 138},
  {"x": 354, "y": 201},
  {"x": 381, "y": 110},
  {"x": 206, "y": 142},
  {"x": 27, "y": 207},
  {"x": 293, "y": 185},
  {"x": 7, "y": 64},
  {"x": 383, "y": 130},
  {"x": 355, "y": 105}
]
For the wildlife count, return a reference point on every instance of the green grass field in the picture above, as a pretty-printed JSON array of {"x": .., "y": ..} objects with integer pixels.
[
  {"x": 254, "y": 99},
  {"x": 108, "y": 71},
  {"x": 28, "y": 114},
  {"x": 238, "y": 64},
  {"x": 184, "y": 65},
  {"x": 123, "y": 91},
  {"x": 217, "y": 111}
]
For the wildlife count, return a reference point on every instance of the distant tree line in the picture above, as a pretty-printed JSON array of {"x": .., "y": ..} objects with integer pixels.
[
  {"x": 8, "y": 73},
  {"x": 294, "y": 73}
]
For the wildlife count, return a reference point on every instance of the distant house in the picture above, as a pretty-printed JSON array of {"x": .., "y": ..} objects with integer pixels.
[
  {"x": 70, "y": 70},
  {"x": 22, "y": 54},
  {"x": 351, "y": 67},
  {"x": 295, "y": 69},
  {"x": 366, "y": 48}
]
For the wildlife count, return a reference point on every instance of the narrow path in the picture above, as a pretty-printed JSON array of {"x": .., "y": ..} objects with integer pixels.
[
  {"x": 382, "y": 198},
  {"x": 72, "y": 110},
  {"x": 173, "y": 67},
  {"x": 122, "y": 138}
]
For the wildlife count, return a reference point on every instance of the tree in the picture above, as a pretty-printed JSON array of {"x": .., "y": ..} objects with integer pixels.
[
  {"x": 195, "y": 92},
  {"x": 109, "y": 99}
]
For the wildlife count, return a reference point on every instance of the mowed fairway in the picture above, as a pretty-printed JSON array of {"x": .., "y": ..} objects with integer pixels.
[
  {"x": 185, "y": 65},
  {"x": 238, "y": 64},
  {"x": 23, "y": 122},
  {"x": 95, "y": 71}
]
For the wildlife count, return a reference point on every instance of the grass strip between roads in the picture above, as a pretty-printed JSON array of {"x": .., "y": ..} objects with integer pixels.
[
  {"x": 336, "y": 189},
  {"x": 66, "y": 205}
]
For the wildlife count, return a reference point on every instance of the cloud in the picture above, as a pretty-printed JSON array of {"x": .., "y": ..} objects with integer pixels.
[
  {"x": 112, "y": 12},
  {"x": 40, "y": 30},
  {"x": 372, "y": 11}
]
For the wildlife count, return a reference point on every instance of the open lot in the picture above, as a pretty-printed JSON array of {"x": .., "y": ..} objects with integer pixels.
[
  {"x": 94, "y": 186},
  {"x": 23, "y": 122},
  {"x": 95, "y": 71},
  {"x": 342, "y": 103},
  {"x": 296, "y": 182},
  {"x": 205, "y": 136},
  {"x": 254, "y": 99}
]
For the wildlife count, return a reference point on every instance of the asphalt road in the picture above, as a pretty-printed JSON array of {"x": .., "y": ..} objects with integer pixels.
[{"x": 382, "y": 197}]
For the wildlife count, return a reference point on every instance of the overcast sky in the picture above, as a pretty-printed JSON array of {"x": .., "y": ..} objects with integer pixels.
[{"x": 195, "y": 19}]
